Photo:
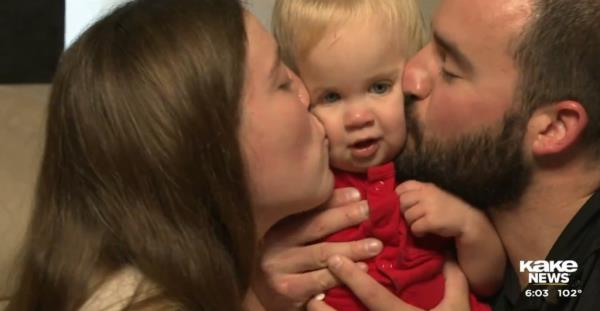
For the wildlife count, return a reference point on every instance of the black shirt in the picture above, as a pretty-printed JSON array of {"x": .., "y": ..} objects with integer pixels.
[{"x": 580, "y": 241}]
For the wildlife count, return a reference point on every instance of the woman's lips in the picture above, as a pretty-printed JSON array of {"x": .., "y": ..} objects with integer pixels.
[{"x": 365, "y": 148}]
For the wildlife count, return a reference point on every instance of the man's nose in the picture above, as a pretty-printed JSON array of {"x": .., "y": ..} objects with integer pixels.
[{"x": 417, "y": 80}]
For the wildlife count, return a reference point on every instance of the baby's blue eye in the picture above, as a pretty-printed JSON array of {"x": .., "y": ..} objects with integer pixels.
[
  {"x": 379, "y": 87},
  {"x": 331, "y": 97}
]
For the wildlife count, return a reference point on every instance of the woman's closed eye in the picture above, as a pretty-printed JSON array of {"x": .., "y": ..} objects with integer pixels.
[
  {"x": 285, "y": 85},
  {"x": 380, "y": 88},
  {"x": 285, "y": 80}
]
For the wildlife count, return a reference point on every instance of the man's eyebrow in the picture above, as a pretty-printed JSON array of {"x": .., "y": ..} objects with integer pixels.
[{"x": 454, "y": 52}]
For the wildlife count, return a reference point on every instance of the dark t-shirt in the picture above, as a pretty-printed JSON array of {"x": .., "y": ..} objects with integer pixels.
[{"x": 580, "y": 241}]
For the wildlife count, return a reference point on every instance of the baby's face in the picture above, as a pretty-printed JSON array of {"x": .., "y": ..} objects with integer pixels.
[{"x": 354, "y": 77}]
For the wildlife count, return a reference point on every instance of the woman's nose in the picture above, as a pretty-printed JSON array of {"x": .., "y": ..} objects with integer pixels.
[
  {"x": 357, "y": 117},
  {"x": 300, "y": 89},
  {"x": 417, "y": 80}
]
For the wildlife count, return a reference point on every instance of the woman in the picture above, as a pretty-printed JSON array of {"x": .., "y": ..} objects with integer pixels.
[{"x": 171, "y": 126}]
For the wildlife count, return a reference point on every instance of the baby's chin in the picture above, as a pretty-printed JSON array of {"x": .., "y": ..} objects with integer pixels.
[{"x": 360, "y": 165}]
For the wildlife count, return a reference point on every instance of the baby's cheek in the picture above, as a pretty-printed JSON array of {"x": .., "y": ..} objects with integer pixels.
[
  {"x": 396, "y": 145},
  {"x": 397, "y": 124},
  {"x": 397, "y": 136},
  {"x": 336, "y": 152}
]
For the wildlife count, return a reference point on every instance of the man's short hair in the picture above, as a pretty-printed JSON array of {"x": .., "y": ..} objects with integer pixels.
[{"x": 558, "y": 56}]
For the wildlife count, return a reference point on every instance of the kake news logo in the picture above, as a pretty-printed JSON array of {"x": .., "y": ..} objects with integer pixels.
[{"x": 548, "y": 272}]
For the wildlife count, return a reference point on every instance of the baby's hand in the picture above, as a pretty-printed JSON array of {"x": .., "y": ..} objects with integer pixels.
[{"x": 429, "y": 209}]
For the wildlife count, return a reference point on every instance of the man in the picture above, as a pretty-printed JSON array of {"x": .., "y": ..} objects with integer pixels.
[{"x": 504, "y": 111}]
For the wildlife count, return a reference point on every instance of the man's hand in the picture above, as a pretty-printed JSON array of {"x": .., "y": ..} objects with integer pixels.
[{"x": 292, "y": 269}]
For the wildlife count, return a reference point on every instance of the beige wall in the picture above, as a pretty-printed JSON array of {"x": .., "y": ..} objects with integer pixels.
[{"x": 262, "y": 9}]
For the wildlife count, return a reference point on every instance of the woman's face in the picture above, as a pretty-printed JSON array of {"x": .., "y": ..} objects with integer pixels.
[{"x": 284, "y": 146}]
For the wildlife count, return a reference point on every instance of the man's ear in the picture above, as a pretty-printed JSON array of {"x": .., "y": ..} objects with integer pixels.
[{"x": 557, "y": 127}]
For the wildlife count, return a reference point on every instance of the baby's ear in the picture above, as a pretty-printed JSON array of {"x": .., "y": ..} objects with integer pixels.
[{"x": 557, "y": 127}]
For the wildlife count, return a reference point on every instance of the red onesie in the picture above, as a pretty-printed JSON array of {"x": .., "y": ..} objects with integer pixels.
[{"x": 409, "y": 267}]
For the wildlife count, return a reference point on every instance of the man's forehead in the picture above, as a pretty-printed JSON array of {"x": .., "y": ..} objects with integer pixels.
[
  {"x": 484, "y": 13},
  {"x": 481, "y": 22}
]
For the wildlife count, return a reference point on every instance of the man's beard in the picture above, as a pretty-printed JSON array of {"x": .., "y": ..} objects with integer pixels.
[{"x": 485, "y": 168}]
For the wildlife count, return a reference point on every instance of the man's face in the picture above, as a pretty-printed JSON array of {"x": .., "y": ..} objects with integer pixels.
[{"x": 465, "y": 131}]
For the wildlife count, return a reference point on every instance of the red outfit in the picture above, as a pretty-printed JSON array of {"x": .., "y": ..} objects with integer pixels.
[{"x": 409, "y": 267}]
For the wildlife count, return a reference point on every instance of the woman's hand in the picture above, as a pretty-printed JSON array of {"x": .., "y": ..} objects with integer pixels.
[
  {"x": 377, "y": 298},
  {"x": 292, "y": 269}
]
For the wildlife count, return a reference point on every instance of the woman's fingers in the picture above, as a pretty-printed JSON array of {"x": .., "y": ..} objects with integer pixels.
[
  {"x": 299, "y": 273},
  {"x": 372, "y": 294},
  {"x": 343, "y": 196},
  {"x": 291, "y": 269},
  {"x": 306, "y": 285},
  {"x": 317, "y": 224},
  {"x": 312, "y": 257},
  {"x": 292, "y": 291},
  {"x": 292, "y": 278},
  {"x": 317, "y": 304}
]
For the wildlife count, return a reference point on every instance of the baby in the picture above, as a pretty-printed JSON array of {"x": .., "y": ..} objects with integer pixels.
[{"x": 351, "y": 54}]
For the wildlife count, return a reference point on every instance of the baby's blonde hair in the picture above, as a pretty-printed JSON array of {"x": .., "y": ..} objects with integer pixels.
[{"x": 299, "y": 25}]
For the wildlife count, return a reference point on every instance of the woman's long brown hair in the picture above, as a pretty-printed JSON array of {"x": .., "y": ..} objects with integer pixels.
[{"x": 142, "y": 164}]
